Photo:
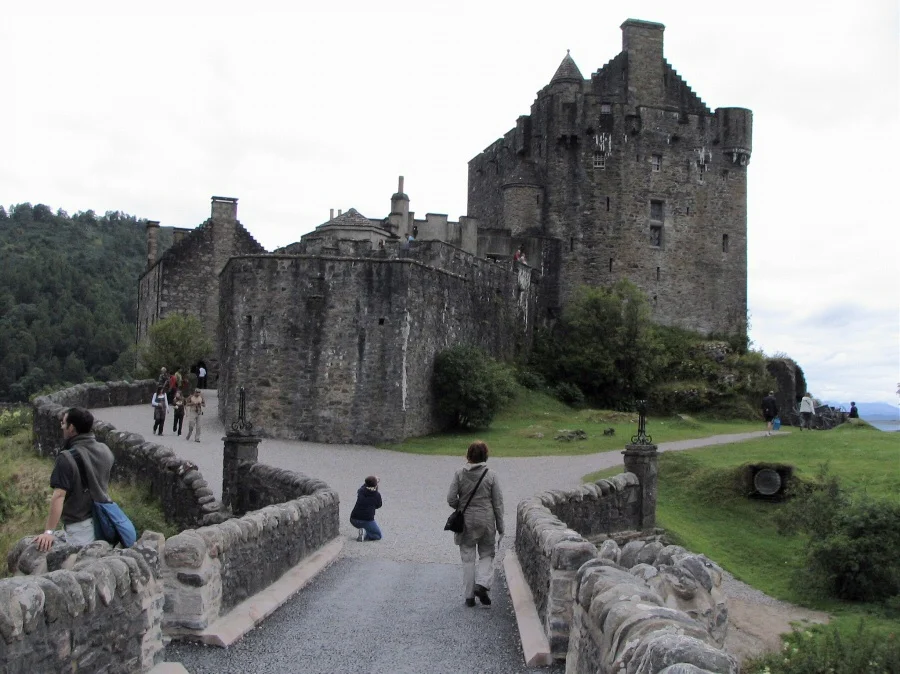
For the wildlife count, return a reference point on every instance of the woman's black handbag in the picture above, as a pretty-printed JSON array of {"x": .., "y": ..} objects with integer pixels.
[{"x": 456, "y": 522}]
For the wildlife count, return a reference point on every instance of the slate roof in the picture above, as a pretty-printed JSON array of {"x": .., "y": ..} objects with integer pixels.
[
  {"x": 352, "y": 218},
  {"x": 567, "y": 71}
]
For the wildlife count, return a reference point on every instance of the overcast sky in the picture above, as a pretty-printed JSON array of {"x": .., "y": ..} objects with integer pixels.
[{"x": 297, "y": 112}]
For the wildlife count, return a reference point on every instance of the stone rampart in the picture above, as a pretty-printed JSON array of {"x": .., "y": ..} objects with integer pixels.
[
  {"x": 102, "y": 613},
  {"x": 209, "y": 570},
  {"x": 185, "y": 496},
  {"x": 551, "y": 544}
]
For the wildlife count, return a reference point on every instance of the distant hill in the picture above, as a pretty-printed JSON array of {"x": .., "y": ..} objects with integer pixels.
[
  {"x": 871, "y": 410},
  {"x": 68, "y": 295}
]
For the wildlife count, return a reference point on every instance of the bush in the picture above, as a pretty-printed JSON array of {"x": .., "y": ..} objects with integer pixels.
[
  {"x": 530, "y": 379},
  {"x": 853, "y": 541},
  {"x": 470, "y": 387},
  {"x": 568, "y": 393},
  {"x": 825, "y": 649}
]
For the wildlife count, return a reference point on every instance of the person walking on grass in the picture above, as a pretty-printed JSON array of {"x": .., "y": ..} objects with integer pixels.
[
  {"x": 368, "y": 500},
  {"x": 769, "y": 410},
  {"x": 477, "y": 490},
  {"x": 195, "y": 404},
  {"x": 807, "y": 412}
]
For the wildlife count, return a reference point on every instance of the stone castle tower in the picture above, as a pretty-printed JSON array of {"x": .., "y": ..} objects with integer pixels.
[{"x": 625, "y": 175}]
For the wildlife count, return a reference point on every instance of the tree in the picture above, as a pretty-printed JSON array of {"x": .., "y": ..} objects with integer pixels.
[
  {"x": 175, "y": 341},
  {"x": 470, "y": 387},
  {"x": 604, "y": 343}
]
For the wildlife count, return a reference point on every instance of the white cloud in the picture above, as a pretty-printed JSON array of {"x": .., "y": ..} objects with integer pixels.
[{"x": 152, "y": 111}]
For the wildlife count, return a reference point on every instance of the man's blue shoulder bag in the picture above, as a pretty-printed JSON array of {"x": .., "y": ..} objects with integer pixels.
[{"x": 111, "y": 524}]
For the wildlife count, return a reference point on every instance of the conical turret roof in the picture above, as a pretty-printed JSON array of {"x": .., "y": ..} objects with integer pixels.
[{"x": 567, "y": 71}]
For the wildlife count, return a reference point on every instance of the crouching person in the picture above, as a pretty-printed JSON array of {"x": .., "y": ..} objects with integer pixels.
[{"x": 80, "y": 476}]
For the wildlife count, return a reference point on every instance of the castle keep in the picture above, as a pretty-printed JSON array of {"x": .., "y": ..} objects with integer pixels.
[
  {"x": 629, "y": 175},
  {"x": 626, "y": 175}
]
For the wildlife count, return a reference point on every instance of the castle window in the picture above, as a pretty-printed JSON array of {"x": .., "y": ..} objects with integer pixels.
[
  {"x": 687, "y": 210},
  {"x": 656, "y": 161},
  {"x": 657, "y": 215},
  {"x": 724, "y": 175},
  {"x": 537, "y": 199},
  {"x": 657, "y": 273},
  {"x": 724, "y": 243},
  {"x": 571, "y": 244},
  {"x": 605, "y": 109},
  {"x": 607, "y": 204},
  {"x": 599, "y": 161},
  {"x": 380, "y": 321},
  {"x": 610, "y": 264}
]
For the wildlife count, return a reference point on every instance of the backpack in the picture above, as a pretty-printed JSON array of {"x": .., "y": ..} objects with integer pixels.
[{"x": 111, "y": 524}]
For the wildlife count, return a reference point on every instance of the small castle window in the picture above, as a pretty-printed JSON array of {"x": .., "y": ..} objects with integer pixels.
[
  {"x": 657, "y": 273},
  {"x": 599, "y": 161},
  {"x": 687, "y": 210},
  {"x": 656, "y": 210},
  {"x": 724, "y": 243},
  {"x": 605, "y": 109},
  {"x": 656, "y": 236},
  {"x": 656, "y": 161},
  {"x": 537, "y": 199},
  {"x": 571, "y": 244},
  {"x": 380, "y": 321},
  {"x": 724, "y": 175},
  {"x": 610, "y": 264}
]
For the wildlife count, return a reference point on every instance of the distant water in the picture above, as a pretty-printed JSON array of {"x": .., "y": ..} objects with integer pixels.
[{"x": 885, "y": 424}]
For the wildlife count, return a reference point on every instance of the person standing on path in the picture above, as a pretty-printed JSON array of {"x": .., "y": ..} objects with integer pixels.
[
  {"x": 201, "y": 377},
  {"x": 160, "y": 405},
  {"x": 769, "y": 410},
  {"x": 368, "y": 500},
  {"x": 195, "y": 404},
  {"x": 484, "y": 520},
  {"x": 73, "y": 499},
  {"x": 807, "y": 412},
  {"x": 178, "y": 409}
]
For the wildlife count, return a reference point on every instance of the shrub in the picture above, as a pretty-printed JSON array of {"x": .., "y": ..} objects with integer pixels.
[
  {"x": 852, "y": 540},
  {"x": 825, "y": 649},
  {"x": 568, "y": 393},
  {"x": 530, "y": 379},
  {"x": 470, "y": 387}
]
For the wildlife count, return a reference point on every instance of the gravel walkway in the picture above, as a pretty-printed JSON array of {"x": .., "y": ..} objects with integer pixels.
[{"x": 414, "y": 487}]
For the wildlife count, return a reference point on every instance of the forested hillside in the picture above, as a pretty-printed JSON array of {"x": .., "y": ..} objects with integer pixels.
[{"x": 68, "y": 296}]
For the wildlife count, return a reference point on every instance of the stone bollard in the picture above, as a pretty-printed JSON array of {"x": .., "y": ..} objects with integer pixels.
[
  {"x": 239, "y": 449},
  {"x": 643, "y": 461}
]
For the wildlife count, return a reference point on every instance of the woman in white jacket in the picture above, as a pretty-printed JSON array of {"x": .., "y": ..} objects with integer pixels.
[
  {"x": 160, "y": 407},
  {"x": 484, "y": 520}
]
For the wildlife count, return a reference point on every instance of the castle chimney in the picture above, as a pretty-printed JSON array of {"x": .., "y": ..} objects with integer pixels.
[
  {"x": 340, "y": 212},
  {"x": 398, "y": 220},
  {"x": 178, "y": 233},
  {"x": 224, "y": 209},
  {"x": 152, "y": 241},
  {"x": 331, "y": 214},
  {"x": 642, "y": 41}
]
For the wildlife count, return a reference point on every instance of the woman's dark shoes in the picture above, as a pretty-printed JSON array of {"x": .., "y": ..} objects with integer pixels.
[
  {"x": 470, "y": 601},
  {"x": 482, "y": 593}
]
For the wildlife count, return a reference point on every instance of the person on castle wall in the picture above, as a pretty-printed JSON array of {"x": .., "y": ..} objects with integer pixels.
[
  {"x": 178, "y": 410},
  {"x": 73, "y": 499},
  {"x": 160, "y": 404},
  {"x": 769, "y": 410},
  {"x": 476, "y": 491},
  {"x": 415, "y": 232},
  {"x": 195, "y": 404},
  {"x": 807, "y": 412},
  {"x": 368, "y": 500},
  {"x": 854, "y": 412},
  {"x": 201, "y": 375},
  {"x": 520, "y": 256}
]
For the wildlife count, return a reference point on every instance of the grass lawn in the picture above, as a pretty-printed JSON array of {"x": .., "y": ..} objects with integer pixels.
[
  {"x": 528, "y": 426},
  {"x": 700, "y": 507}
]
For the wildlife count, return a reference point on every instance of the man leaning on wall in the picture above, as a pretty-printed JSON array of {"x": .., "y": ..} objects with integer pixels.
[{"x": 72, "y": 500}]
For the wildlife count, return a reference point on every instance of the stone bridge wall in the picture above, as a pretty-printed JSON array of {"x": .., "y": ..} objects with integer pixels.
[
  {"x": 209, "y": 570},
  {"x": 185, "y": 496},
  {"x": 102, "y": 614},
  {"x": 551, "y": 543}
]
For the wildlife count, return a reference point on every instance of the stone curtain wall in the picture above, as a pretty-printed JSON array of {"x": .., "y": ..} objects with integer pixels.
[
  {"x": 185, "y": 496},
  {"x": 103, "y": 613},
  {"x": 551, "y": 544},
  {"x": 340, "y": 349},
  {"x": 791, "y": 387},
  {"x": 209, "y": 570},
  {"x": 666, "y": 614}
]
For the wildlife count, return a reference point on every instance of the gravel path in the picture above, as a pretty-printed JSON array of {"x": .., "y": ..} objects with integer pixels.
[{"x": 414, "y": 487}]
